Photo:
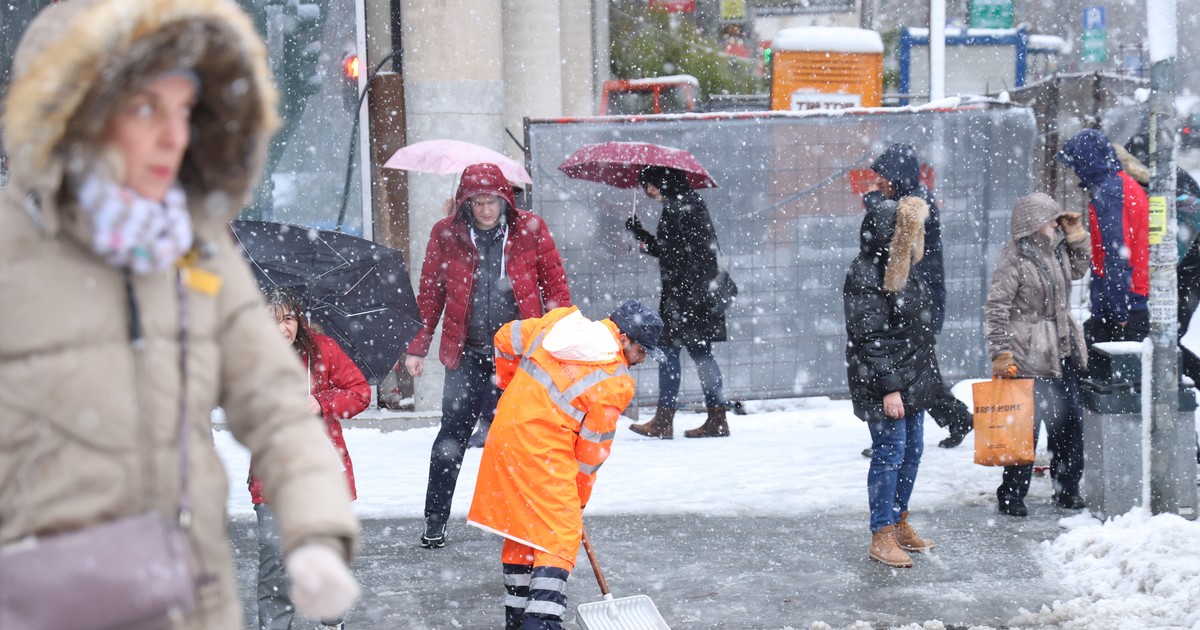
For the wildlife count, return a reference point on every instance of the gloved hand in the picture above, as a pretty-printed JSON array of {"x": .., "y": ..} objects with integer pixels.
[
  {"x": 1071, "y": 223},
  {"x": 322, "y": 587},
  {"x": 633, "y": 224},
  {"x": 1003, "y": 365}
]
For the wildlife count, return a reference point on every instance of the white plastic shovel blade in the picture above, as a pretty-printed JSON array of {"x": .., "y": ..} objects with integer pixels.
[{"x": 627, "y": 613}]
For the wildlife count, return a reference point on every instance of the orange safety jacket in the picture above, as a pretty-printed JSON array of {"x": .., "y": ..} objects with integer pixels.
[{"x": 553, "y": 429}]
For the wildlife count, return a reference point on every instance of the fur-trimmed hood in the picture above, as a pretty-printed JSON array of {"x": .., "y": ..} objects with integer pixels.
[
  {"x": 895, "y": 232},
  {"x": 1132, "y": 165},
  {"x": 98, "y": 51}
]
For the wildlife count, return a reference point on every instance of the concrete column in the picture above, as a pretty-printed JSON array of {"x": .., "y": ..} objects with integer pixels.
[
  {"x": 601, "y": 49},
  {"x": 454, "y": 88},
  {"x": 533, "y": 75},
  {"x": 578, "y": 52}
]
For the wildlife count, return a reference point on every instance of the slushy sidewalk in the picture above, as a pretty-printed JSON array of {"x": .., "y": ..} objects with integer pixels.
[{"x": 716, "y": 572}]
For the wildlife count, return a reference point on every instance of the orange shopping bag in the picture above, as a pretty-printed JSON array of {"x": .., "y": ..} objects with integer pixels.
[{"x": 1003, "y": 422}]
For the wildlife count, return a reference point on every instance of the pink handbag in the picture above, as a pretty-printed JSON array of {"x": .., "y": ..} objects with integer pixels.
[{"x": 133, "y": 573}]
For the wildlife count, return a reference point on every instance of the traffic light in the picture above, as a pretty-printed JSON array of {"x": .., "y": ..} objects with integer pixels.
[{"x": 351, "y": 68}]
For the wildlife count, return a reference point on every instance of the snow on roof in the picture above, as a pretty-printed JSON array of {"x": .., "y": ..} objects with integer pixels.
[
  {"x": 1046, "y": 43},
  {"x": 673, "y": 78},
  {"x": 956, "y": 31},
  {"x": 842, "y": 39}
]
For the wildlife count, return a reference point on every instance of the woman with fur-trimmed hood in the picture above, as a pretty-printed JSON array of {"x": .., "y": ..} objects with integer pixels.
[
  {"x": 891, "y": 366},
  {"x": 1032, "y": 334},
  {"x": 135, "y": 130}
]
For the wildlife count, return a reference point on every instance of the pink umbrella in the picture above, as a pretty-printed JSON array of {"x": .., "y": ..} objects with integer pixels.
[
  {"x": 446, "y": 157},
  {"x": 618, "y": 163}
]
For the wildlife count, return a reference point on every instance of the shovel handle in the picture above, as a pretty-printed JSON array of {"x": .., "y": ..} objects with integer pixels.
[{"x": 591, "y": 554}]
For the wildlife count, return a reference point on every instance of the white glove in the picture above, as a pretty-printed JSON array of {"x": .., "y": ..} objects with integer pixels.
[{"x": 322, "y": 587}]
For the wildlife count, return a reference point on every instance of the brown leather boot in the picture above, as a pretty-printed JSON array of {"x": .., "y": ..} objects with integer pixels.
[
  {"x": 885, "y": 550},
  {"x": 908, "y": 539},
  {"x": 661, "y": 426},
  {"x": 714, "y": 426}
]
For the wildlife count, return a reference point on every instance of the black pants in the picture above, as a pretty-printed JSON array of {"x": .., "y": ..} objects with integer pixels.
[
  {"x": 950, "y": 412},
  {"x": 470, "y": 393},
  {"x": 1056, "y": 404},
  {"x": 1100, "y": 329}
]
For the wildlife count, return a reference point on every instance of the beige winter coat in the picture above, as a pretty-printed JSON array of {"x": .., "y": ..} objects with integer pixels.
[
  {"x": 1028, "y": 310},
  {"x": 88, "y": 421}
]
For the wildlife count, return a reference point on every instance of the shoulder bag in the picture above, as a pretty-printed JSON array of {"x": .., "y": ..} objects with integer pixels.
[
  {"x": 723, "y": 288},
  {"x": 133, "y": 573}
]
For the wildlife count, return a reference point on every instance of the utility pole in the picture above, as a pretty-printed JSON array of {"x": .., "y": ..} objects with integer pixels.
[
  {"x": 937, "y": 49},
  {"x": 1172, "y": 471}
]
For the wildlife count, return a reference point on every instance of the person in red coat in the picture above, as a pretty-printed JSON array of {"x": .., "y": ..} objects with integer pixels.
[
  {"x": 337, "y": 390},
  {"x": 487, "y": 264}
]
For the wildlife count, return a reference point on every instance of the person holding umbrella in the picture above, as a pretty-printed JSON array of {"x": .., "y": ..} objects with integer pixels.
[
  {"x": 486, "y": 265},
  {"x": 130, "y": 153},
  {"x": 685, "y": 244},
  {"x": 337, "y": 391}
]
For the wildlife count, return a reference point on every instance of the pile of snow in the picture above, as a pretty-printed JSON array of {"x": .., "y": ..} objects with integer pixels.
[{"x": 1135, "y": 570}]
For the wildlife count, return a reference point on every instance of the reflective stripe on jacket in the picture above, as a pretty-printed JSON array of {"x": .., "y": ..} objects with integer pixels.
[{"x": 554, "y": 427}]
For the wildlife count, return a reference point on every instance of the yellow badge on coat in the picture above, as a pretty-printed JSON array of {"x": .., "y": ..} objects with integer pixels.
[{"x": 198, "y": 279}]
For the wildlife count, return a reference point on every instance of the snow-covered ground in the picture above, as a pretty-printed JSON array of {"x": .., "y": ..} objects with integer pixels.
[{"x": 803, "y": 456}]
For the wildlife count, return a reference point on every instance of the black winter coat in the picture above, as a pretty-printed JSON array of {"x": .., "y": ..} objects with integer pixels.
[
  {"x": 890, "y": 345},
  {"x": 685, "y": 244}
]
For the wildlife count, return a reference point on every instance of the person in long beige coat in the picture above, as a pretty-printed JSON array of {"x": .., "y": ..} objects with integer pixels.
[
  {"x": 1032, "y": 334},
  {"x": 135, "y": 130}
]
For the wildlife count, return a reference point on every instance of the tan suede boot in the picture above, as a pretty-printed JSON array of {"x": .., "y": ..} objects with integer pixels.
[
  {"x": 714, "y": 425},
  {"x": 885, "y": 550},
  {"x": 661, "y": 426},
  {"x": 908, "y": 539}
]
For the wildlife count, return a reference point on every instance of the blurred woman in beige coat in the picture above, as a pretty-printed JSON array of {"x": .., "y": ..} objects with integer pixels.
[{"x": 135, "y": 130}]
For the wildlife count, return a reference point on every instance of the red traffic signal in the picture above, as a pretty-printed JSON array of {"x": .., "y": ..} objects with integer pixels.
[{"x": 350, "y": 66}]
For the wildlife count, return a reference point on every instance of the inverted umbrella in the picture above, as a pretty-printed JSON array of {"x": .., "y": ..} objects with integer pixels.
[
  {"x": 447, "y": 157},
  {"x": 618, "y": 163},
  {"x": 357, "y": 291}
]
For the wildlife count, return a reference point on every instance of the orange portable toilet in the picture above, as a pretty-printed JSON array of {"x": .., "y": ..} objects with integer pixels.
[{"x": 826, "y": 67}]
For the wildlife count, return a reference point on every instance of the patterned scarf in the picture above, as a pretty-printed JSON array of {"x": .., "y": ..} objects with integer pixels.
[{"x": 133, "y": 232}]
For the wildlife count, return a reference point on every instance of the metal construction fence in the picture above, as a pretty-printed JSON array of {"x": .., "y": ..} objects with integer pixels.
[{"x": 787, "y": 215}]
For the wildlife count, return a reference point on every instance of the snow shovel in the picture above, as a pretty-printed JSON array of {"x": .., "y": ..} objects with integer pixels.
[{"x": 637, "y": 612}]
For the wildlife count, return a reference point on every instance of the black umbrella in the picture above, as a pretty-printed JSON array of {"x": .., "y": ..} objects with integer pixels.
[{"x": 357, "y": 291}]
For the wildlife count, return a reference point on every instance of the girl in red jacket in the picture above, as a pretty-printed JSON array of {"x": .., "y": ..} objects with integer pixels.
[{"x": 337, "y": 390}]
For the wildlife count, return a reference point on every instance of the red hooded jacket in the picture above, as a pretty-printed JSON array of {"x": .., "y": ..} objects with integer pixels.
[
  {"x": 448, "y": 273},
  {"x": 343, "y": 392}
]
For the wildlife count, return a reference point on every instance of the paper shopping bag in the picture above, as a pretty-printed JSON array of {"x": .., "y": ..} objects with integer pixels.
[{"x": 1003, "y": 422}]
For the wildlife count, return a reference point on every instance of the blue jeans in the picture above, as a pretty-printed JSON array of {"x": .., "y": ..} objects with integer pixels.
[
  {"x": 469, "y": 394},
  {"x": 670, "y": 372},
  {"x": 896, "y": 447}
]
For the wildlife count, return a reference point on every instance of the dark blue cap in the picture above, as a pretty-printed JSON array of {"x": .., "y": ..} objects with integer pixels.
[{"x": 642, "y": 325}]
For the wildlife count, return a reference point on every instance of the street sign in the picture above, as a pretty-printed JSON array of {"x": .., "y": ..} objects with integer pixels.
[
  {"x": 1095, "y": 36},
  {"x": 991, "y": 14}
]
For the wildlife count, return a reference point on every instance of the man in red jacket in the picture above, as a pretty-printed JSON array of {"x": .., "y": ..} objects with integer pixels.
[{"x": 486, "y": 265}]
